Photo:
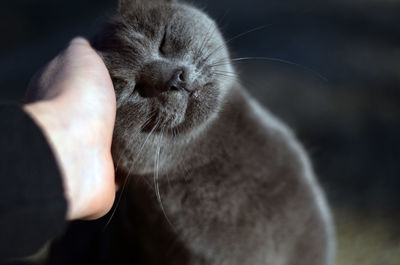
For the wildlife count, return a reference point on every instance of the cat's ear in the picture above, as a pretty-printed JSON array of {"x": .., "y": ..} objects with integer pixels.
[{"x": 124, "y": 5}]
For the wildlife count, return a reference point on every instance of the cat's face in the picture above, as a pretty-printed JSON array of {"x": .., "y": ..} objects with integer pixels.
[{"x": 169, "y": 65}]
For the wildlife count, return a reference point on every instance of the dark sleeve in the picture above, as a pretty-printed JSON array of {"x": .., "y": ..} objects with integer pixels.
[{"x": 32, "y": 203}]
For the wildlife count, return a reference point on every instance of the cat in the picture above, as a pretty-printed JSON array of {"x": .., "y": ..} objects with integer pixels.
[{"x": 208, "y": 175}]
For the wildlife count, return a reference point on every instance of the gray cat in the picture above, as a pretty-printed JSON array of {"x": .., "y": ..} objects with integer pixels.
[{"x": 209, "y": 176}]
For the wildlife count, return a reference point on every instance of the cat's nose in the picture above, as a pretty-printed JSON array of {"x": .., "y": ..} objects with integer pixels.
[
  {"x": 177, "y": 81},
  {"x": 159, "y": 77}
]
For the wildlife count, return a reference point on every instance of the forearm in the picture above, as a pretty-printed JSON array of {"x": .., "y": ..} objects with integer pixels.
[{"x": 32, "y": 203}]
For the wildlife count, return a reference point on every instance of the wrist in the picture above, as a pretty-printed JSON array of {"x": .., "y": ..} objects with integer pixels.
[{"x": 55, "y": 132}]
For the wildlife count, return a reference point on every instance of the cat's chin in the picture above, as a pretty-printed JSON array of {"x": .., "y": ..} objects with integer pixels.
[{"x": 166, "y": 111}]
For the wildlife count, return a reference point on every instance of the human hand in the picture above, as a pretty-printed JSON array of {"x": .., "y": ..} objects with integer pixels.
[{"x": 73, "y": 101}]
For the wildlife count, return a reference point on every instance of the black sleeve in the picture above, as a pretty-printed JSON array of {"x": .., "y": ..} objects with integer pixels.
[{"x": 32, "y": 203}]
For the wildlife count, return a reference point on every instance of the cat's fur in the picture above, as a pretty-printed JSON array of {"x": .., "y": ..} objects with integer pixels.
[{"x": 213, "y": 178}]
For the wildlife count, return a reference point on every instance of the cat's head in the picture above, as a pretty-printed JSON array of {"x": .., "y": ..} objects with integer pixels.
[{"x": 169, "y": 65}]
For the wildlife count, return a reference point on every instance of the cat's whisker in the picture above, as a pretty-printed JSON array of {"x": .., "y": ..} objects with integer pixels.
[
  {"x": 225, "y": 75},
  {"x": 220, "y": 63},
  {"x": 225, "y": 72},
  {"x": 145, "y": 124},
  {"x": 226, "y": 78},
  {"x": 232, "y": 39},
  {"x": 278, "y": 60},
  {"x": 156, "y": 175},
  {"x": 119, "y": 159},
  {"x": 122, "y": 154},
  {"x": 221, "y": 19},
  {"x": 208, "y": 37},
  {"x": 126, "y": 180},
  {"x": 205, "y": 41}
]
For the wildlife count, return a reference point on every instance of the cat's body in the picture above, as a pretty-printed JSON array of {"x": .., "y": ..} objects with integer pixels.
[
  {"x": 214, "y": 179},
  {"x": 232, "y": 202}
]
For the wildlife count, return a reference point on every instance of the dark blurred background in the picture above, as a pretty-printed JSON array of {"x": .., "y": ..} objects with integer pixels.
[{"x": 332, "y": 73}]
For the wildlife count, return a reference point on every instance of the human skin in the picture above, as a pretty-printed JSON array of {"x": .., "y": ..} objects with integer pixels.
[{"x": 72, "y": 99}]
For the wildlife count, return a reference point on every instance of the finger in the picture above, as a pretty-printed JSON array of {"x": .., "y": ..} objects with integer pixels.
[{"x": 79, "y": 41}]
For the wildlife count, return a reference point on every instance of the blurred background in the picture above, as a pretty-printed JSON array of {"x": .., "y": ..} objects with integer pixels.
[{"x": 330, "y": 69}]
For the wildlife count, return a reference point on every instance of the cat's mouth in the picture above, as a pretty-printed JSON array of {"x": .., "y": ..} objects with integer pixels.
[{"x": 168, "y": 110}]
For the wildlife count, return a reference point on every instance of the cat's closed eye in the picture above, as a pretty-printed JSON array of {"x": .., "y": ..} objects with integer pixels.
[{"x": 162, "y": 47}]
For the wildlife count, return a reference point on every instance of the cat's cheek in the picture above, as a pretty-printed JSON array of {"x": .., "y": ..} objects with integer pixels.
[{"x": 201, "y": 108}]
